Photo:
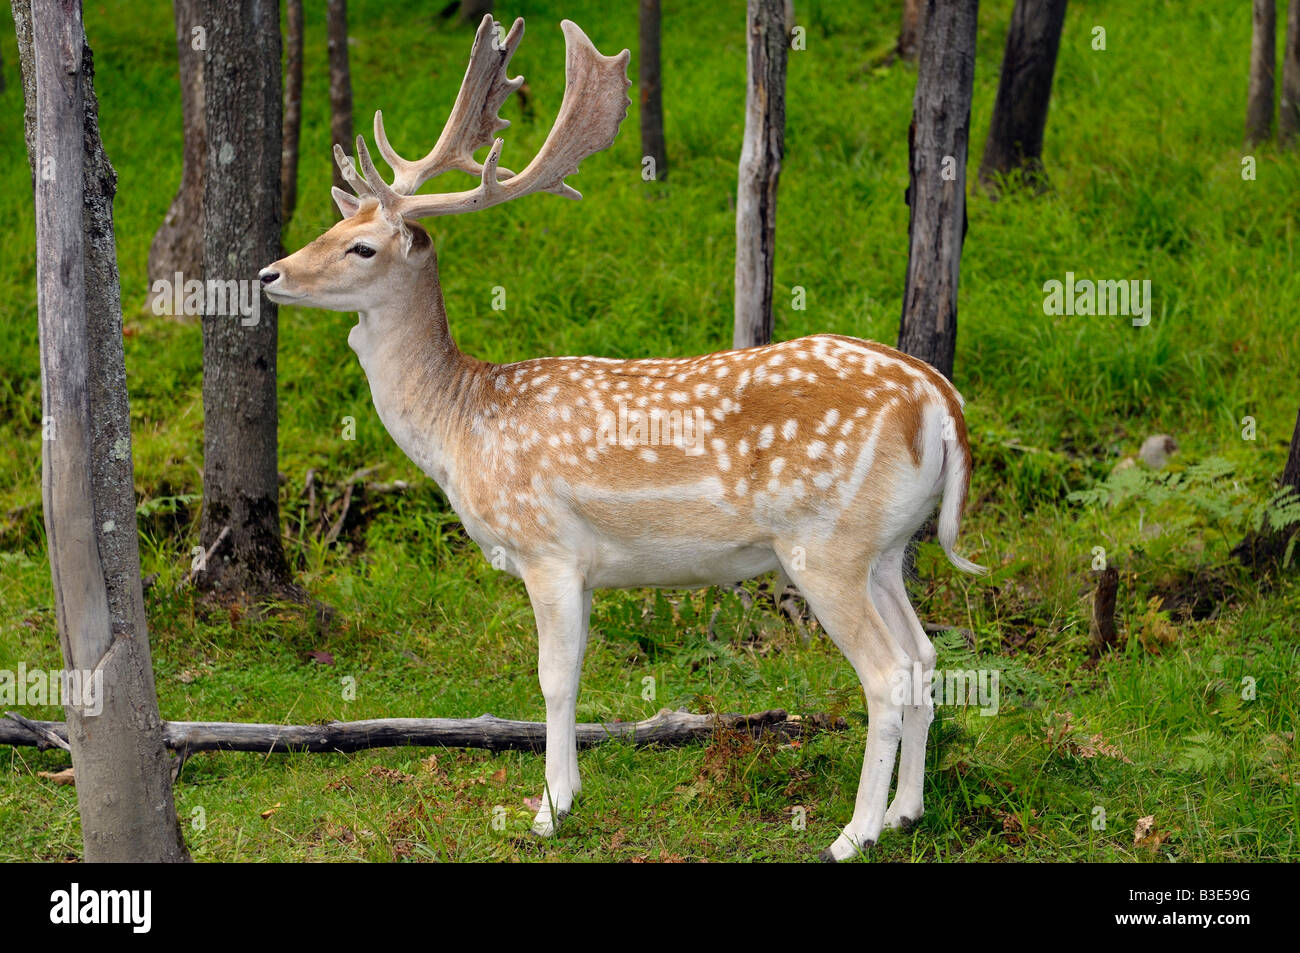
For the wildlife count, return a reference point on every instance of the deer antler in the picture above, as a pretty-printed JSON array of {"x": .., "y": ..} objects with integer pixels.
[
  {"x": 595, "y": 103},
  {"x": 473, "y": 121}
]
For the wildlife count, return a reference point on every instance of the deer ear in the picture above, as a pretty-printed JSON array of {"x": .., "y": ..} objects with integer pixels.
[
  {"x": 415, "y": 240},
  {"x": 408, "y": 237},
  {"x": 347, "y": 203}
]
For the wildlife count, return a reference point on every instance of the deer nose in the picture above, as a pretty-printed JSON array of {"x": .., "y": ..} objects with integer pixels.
[{"x": 268, "y": 276}]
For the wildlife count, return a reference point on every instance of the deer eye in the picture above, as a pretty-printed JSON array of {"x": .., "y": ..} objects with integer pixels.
[{"x": 365, "y": 251}]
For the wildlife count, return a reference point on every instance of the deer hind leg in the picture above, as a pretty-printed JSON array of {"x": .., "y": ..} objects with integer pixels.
[
  {"x": 890, "y": 596},
  {"x": 559, "y": 605},
  {"x": 837, "y": 589},
  {"x": 575, "y": 783}
]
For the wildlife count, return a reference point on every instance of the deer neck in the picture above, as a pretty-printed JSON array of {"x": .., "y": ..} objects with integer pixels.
[{"x": 423, "y": 387}]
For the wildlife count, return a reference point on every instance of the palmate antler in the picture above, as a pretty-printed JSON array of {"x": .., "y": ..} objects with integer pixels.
[{"x": 595, "y": 103}]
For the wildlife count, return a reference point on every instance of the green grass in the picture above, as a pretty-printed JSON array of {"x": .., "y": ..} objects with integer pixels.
[{"x": 1143, "y": 150}]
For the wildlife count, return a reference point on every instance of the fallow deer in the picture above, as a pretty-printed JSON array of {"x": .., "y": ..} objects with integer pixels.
[{"x": 817, "y": 458}]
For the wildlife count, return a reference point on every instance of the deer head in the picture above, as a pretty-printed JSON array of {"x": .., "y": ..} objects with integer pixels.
[{"x": 373, "y": 256}]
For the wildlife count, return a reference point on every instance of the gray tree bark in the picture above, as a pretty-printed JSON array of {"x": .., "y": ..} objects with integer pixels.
[
  {"x": 241, "y": 198},
  {"x": 909, "y": 33},
  {"x": 1263, "y": 53},
  {"x": 937, "y": 146},
  {"x": 1015, "y": 142},
  {"x": 651, "y": 82},
  {"x": 768, "y": 34},
  {"x": 1288, "y": 118},
  {"x": 178, "y": 244},
  {"x": 292, "y": 112},
  {"x": 336, "y": 15},
  {"x": 124, "y": 791}
]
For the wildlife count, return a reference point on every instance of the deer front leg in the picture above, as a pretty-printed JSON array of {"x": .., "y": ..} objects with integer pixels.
[{"x": 559, "y": 604}]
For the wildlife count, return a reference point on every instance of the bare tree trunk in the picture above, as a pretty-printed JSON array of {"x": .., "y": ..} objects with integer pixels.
[
  {"x": 292, "y": 112},
  {"x": 1270, "y": 543},
  {"x": 340, "y": 85},
  {"x": 1263, "y": 51},
  {"x": 1288, "y": 119},
  {"x": 652, "y": 106},
  {"x": 472, "y": 12},
  {"x": 768, "y": 33},
  {"x": 1291, "y": 472},
  {"x": 241, "y": 198},
  {"x": 124, "y": 793},
  {"x": 909, "y": 33},
  {"x": 1102, "y": 631},
  {"x": 937, "y": 146},
  {"x": 178, "y": 244},
  {"x": 1015, "y": 142}
]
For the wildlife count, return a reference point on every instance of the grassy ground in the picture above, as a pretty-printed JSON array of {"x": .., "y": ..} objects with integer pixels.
[{"x": 1143, "y": 150}]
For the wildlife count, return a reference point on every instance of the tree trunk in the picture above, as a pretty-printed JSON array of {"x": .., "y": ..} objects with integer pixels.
[
  {"x": 652, "y": 106},
  {"x": 937, "y": 145},
  {"x": 292, "y": 112},
  {"x": 1015, "y": 142},
  {"x": 768, "y": 33},
  {"x": 1288, "y": 119},
  {"x": 1263, "y": 51},
  {"x": 1102, "y": 631},
  {"x": 909, "y": 34},
  {"x": 340, "y": 87},
  {"x": 124, "y": 793},
  {"x": 241, "y": 197},
  {"x": 472, "y": 12},
  {"x": 1269, "y": 545},
  {"x": 1291, "y": 472},
  {"x": 177, "y": 246}
]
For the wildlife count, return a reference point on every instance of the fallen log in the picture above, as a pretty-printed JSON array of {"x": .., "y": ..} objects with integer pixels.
[{"x": 486, "y": 731}]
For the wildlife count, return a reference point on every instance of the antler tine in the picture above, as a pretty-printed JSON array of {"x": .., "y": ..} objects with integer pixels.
[
  {"x": 373, "y": 180},
  {"x": 473, "y": 121},
  {"x": 349, "y": 171},
  {"x": 595, "y": 103}
]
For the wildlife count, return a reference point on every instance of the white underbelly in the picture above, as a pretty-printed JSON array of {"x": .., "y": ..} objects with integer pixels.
[{"x": 685, "y": 564}]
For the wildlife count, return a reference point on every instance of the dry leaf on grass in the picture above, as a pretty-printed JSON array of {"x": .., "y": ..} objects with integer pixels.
[
  {"x": 1014, "y": 829},
  {"x": 390, "y": 774},
  {"x": 1146, "y": 834},
  {"x": 1060, "y": 732}
]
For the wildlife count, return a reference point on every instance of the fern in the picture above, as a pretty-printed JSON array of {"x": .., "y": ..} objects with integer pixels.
[{"x": 1207, "y": 488}]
